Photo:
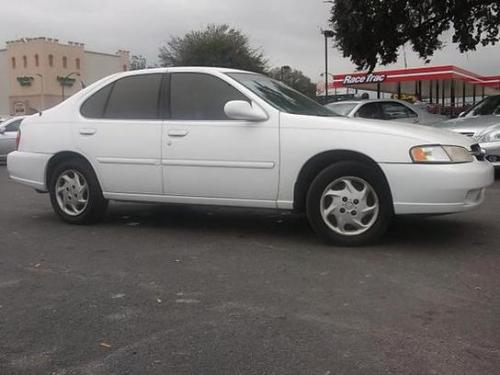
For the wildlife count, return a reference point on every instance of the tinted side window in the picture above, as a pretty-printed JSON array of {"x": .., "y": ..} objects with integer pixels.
[
  {"x": 13, "y": 126},
  {"x": 489, "y": 106},
  {"x": 197, "y": 96},
  {"x": 95, "y": 105},
  {"x": 135, "y": 97},
  {"x": 370, "y": 111},
  {"x": 393, "y": 111}
]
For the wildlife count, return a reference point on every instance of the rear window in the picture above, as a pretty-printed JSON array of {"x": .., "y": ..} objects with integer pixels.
[
  {"x": 95, "y": 105},
  {"x": 13, "y": 126},
  {"x": 342, "y": 109},
  {"x": 129, "y": 98},
  {"x": 135, "y": 97}
]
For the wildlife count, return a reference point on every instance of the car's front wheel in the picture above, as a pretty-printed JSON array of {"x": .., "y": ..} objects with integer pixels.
[
  {"x": 349, "y": 204},
  {"x": 75, "y": 193}
]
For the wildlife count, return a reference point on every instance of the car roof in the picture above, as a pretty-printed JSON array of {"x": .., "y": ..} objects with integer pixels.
[
  {"x": 363, "y": 101},
  {"x": 345, "y": 102},
  {"x": 12, "y": 119},
  {"x": 383, "y": 100},
  {"x": 187, "y": 69}
]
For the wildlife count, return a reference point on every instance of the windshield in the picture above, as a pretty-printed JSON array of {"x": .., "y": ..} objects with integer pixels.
[
  {"x": 488, "y": 106},
  {"x": 343, "y": 109},
  {"x": 281, "y": 96}
]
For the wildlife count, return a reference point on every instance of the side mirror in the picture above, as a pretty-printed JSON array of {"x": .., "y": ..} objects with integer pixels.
[
  {"x": 461, "y": 114},
  {"x": 243, "y": 110},
  {"x": 2, "y": 129}
]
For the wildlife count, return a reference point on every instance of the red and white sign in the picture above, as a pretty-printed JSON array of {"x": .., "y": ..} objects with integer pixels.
[
  {"x": 365, "y": 78},
  {"x": 443, "y": 72}
]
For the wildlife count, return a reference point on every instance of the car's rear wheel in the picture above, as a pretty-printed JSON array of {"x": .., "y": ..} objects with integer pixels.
[
  {"x": 75, "y": 193},
  {"x": 349, "y": 204}
]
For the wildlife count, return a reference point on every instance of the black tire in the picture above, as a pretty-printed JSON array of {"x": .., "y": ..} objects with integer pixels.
[
  {"x": 96, "y": 203},
  {"x": 357, "y": 170}
]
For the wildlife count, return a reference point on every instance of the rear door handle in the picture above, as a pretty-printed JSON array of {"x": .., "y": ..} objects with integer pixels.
[
  {"x": 87, "y": 131},
  {"x": 177, "y": 133}
]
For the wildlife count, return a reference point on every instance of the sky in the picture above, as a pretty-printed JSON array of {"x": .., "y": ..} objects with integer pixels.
[{"x": 287, "y": 31}]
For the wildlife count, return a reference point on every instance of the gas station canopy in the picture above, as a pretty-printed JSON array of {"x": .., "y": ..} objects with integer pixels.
[{"x": 433, "y": 83}]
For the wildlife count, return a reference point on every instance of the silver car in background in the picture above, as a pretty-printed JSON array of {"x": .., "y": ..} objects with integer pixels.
[
  {"x": 481, "y": 122},
  {"x": 385, "y": 109},
  {"x": 8, "y": 135}
]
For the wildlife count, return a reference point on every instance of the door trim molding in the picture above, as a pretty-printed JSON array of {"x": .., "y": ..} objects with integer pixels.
[
  {"x": 219, "y": 163},
  {"x": 234, "y": 202},
  {"x": 130, "y": 161}
]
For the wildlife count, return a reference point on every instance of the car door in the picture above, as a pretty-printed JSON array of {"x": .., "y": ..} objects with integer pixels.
[
  {"x": 394, "y": 111},
  {"x": 121, "y": 132},
  {"x": 8, "y": 137},
  {"x": 206, "y": 155}
]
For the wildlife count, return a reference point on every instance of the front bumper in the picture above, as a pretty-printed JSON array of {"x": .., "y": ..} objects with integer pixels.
[
  {"x": 492, "y": 152},
  {"x": 438, "y": 188}
]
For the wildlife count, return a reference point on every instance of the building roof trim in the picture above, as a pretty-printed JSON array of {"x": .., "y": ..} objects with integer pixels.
[{"x": 101, "y": 53}]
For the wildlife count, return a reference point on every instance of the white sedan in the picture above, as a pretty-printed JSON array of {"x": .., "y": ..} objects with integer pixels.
[
  {"x": 8, "y": 135},
  {"x": 218, "y": 136},
  {"x": 385, "y": 109}
]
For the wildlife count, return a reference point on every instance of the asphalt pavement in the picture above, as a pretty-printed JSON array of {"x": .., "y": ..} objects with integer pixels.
[{"x": 161, "y": 289}]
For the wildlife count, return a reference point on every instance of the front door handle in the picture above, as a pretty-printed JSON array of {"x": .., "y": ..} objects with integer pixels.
[
  {"x": 177, "y": 133},
  {"x": 87, "y": 131}
]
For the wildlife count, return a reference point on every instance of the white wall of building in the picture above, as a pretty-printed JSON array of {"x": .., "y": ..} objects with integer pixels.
[{"x": 99, "y": 65}]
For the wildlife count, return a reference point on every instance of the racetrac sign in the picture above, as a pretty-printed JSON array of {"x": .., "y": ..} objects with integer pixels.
[{"x": 366, "y": 78}]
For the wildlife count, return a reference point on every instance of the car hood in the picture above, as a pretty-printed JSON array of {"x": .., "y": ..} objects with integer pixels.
[
  {"x": 474, "y": 125},
  {"x": 418, "y": 134}
]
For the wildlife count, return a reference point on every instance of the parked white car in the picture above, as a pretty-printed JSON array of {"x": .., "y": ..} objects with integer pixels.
[
  {"x": 385, "y": 109},
  {"x": 8, "y": 135},
  {"x": 482, "y": 123},
  {"x": 227, "y": 137}
]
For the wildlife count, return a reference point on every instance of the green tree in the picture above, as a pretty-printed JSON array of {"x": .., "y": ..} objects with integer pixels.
[
  {"x": 371, "y": 31},
  {"x": 137, "y": 62},
  {"x": 295, "y": 79},
  {"x": 216, "y": 45}
]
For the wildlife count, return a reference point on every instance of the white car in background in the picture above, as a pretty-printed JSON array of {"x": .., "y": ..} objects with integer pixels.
[
  {"x": 385, "y": 109},
  {"x": 482, "y": 123},
  {"x": 8, "y": 135},
  {"x": 218, "y": 136}
]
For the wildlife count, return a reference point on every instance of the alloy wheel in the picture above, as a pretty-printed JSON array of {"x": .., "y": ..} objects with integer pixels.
[
  {"x": 349, "y": 206},
  {"x": 72, "y": 192}
]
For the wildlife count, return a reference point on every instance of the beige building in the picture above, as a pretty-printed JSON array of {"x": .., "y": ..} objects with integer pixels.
[{"x": 38, "y": 73}]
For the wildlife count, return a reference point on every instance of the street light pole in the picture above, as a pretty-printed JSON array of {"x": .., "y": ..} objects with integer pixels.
[
  {"x": 63, "y": 81},
  {"x": 42, "y": 93},
  {"x": 327, "y": 34},
  {"x": 283, "y": 70}
]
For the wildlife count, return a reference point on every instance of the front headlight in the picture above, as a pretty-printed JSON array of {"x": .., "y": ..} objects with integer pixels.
[
  {"x": 491, "y": 136},
  {"x": 440, "y": 154}
]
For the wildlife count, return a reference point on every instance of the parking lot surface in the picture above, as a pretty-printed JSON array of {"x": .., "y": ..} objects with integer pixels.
[{"x": 200, "y": 290}]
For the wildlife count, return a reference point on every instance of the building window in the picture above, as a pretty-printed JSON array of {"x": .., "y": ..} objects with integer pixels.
[
  {"x": 51, "y": 60},
  {"x": 37, "y": 60},
  {"x": 77, "y": 63},
  {"x": 13, "y": 63},
  {"x": 65, "y": 62},
  {"x": 25, "y": 62}
]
